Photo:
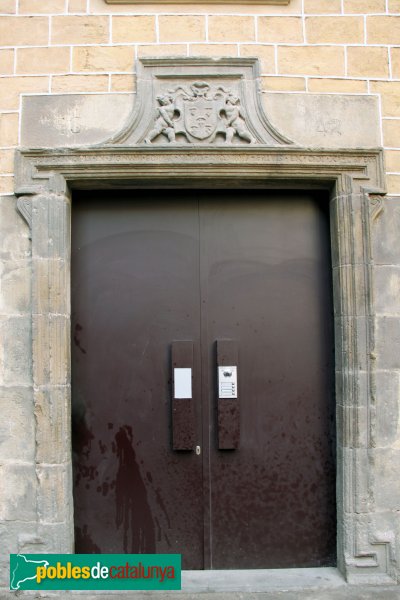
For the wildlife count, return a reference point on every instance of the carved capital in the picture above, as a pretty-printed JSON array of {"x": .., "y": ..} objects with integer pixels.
[
  {"x": 376, "y": 206},
  {"x": 24, "y": 207}
]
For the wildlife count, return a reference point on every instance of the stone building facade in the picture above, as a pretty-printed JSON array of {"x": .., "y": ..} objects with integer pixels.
[{"x": 328, "y": 80}]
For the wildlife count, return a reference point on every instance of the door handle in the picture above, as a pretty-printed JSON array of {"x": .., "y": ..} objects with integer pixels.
[
  {"x": 228, "y": 395},
  {"x": 183, "y": 430}
]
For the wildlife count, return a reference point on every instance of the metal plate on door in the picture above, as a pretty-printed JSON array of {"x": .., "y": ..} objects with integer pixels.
[{"x": 227, "y": 382}]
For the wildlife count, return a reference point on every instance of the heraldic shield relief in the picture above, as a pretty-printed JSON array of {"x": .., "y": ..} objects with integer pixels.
[{"x": 199, "y": 113}]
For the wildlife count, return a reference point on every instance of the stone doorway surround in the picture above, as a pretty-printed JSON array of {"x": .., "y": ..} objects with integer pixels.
[{"x": 45, "y": 180}]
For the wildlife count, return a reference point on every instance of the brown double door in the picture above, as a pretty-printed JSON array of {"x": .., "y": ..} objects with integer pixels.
[{"x": 150, "y": 268}]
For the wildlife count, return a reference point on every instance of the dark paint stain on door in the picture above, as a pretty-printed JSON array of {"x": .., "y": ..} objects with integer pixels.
[{"x": 133, "y": 512}]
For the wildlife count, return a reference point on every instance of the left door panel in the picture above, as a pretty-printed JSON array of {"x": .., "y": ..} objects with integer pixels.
[{"x": 135, "y": 290}]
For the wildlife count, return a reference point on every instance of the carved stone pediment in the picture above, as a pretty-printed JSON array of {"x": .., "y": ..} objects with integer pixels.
[{"x": 198, "y": 101}]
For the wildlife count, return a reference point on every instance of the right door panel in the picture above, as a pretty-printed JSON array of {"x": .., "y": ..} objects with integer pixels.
[{"x": 266, "y": 273}]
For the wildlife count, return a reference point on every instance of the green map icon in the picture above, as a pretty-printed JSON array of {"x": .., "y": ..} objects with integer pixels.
[{"x": 24, "y": 569}]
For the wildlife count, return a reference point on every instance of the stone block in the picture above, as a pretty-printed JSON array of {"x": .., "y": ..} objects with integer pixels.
[
  {"x": 10, "y": 90},
  {"x": 387, "y": 342},
  {"x": 229, "y": 28},
  {"x": 43, "y": 60},
  {"x": 309, "y": 60},
  {"x": 80, "y": 30},
  {"x": 134, "y": 29},
  {"x": 394, "y": 6},
  {"x": 353, "y": 487},
  {"x": 286, "y": 30},
  {"x": 123, "y": 83},
  {"x": 6, "y": 161},
  {"x": 77, "y": 6},
  {"x": 383, "y": 30},
  {"x": 338, "y": 86},
  {"x": 79, "y": 83},
  {"x": 58, "y": 538},
  {"x": 393, "y": 184},
  {"x": 182, "y": 28},
  {"x": 335, "y": 30},
  {"x": 54, "y": 497},
  {"x": 53, "y": 425},
  {"x": 50, "y": 7},
  {"x": 351, "y": 343},
  {"x": 387, "y": 290},
  {"x": 51, "y": 347},
  {"x": 17, "y": 426},
  {"x": 352, "y": 426},
  {"x": 162, "y": 50},
  {"x": 51, "y": 286},
  {"x": 15, "y": 280},
  {"x": 9, "y": 129},
  {"x": 392, "y": 160},
  {"x": 265, "y": 54},
  {"x": 325, "y": 120},
  {"x": 70, "y": 120},
  {"x": 24, "y": 31},
  {"x": 390, "y": 96},
  {"x": 7, "y": 62},
  {"x": 368, "y": 62},
  {"x": 385, "y": 234},
  {"x": 364, "y": 6},
  {"x": 8, "y": 7},
  {"x": 10, "y": 534},
  {"x": 213, "y": 50},
  {"x": 385, "y": 421},
  {"x": 395, "y": 54},
  {"x": 322, "y": 6},
  {"x": 103, "y": 58},
  {"x": 283, "y": 84},
  {"x": 50, "y": 228},
  {"x": 17, "y": 492},
  {"x": 16, "y": 350},
  {"x": 386, "y": 474},
  {"x": 6, "y": 184},
  {"x": 351, "y": 298}
]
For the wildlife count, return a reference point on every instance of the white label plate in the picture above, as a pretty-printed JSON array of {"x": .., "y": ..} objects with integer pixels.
[{"x": 182, "y": 383}]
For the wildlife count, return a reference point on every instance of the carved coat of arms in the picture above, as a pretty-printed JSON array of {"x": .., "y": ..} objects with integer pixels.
[{"x": 199, "y": 113}]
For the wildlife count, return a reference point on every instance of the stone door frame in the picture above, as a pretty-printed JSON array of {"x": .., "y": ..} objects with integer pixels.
[{"x": 45, "y": 179}]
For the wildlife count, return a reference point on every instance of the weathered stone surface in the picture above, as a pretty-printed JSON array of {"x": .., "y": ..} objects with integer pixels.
[
  {"x": 53, "y": 424},
  {"x": 386, "y": 409},
  {"x": 385, "y": 234},
  {"x": 387, "y": 290},
  {"x": 17, "y": 425},
  {"x": 10, "y": 535},
  {"x": 386, "y": 488},
  {"x": 387, "y": 346},
  {"x": 55, "y": 499},
  {"x": 325, "y": 120},
  {"x": 16, "y": 349},
  {"x": 351, "y": 280},
  {"x": 72, "y": 120},
  {"x": 51, "y": 286},
  {"x": 15, "y": 295},
  {"x": 51, "y": 339},
  {"x": 15, "y": 244},
  {"x": 17, "y": 492}
]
